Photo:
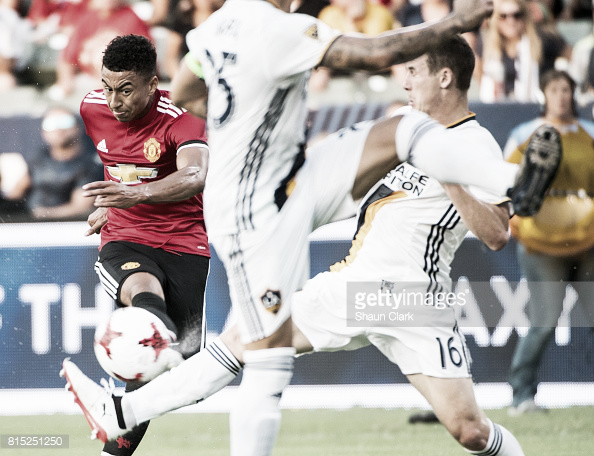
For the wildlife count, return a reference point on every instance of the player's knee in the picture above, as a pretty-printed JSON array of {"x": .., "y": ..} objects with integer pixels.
[
  {"x": 282, "y": 337},
  {"x": 471, "y": 435},
  {"x": 140, "y": 282},
  {"x": 230, "y": 337}
]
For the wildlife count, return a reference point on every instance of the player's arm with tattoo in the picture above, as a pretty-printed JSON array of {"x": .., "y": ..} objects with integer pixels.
[{"x": 359, "y": 52}]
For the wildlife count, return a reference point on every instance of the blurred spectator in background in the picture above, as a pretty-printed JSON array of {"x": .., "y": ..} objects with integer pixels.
[
  {"x": 581, "y": 67},
  {"x": 309, "y": 7},
  {"x": 556, "y": 7},
  {"x": 79, "y": 64},
  {"x": 14, "y": 33},
  {"x": 512, "y": 52},
  {"x": 10, "y": 210},
  {"x": 556, "y": 52},
  {"x": 358, "y": 16},
  {"x": 178, "y": 21},
  {"x": 55, "y": 19},
  {"x": 183, "y": 16},
  {"x": 577, "y": 9},
  {"x": 555, "y": 247},
  {"x": 160, "y": 12},
  {"x": 52, "y": 187},
  {"x": 419, "y": 12}
]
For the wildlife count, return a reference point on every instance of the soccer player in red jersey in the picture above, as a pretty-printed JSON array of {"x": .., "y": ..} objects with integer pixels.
[{"x": 154, "y": 250}]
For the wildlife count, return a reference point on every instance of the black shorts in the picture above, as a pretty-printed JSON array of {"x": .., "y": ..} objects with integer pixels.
[{"x": 182, "y": 276}]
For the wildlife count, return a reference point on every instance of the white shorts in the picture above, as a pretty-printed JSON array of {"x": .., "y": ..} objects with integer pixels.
[
  {"x": 320, "y": 312},
  {"x": 265, "y": 266}
]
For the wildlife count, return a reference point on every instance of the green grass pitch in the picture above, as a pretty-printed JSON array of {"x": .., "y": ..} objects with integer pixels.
[{"x": 352, "y": 432}]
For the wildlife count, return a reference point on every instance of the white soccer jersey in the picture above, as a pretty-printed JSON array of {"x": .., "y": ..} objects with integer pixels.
[
  {"x": 256, "y": 61},
  {"x": 409, "y": 230}
]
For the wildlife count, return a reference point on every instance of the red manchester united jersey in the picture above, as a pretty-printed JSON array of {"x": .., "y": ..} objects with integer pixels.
[{"x": 142, "y": 151}]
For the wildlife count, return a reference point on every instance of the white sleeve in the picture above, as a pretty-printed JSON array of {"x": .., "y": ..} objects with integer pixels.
[
  {"x": 489, "y": 150},
  {"x": 445, "y": 155},
  {"x": 298, "y": 43},
  {"x": 413, "y": 126}
]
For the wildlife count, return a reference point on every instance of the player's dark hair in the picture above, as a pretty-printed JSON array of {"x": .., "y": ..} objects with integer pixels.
[
  {"x": 131, "y": 53},
  {"x": 456, "y": 54}
]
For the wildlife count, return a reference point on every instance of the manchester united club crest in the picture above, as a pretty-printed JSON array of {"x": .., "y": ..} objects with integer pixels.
[
  {"x": 152, "y": 150},
  {"x": 272, "y": 301}
]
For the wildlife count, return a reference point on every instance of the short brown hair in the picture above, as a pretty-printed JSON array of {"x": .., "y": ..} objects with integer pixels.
[{"x": 456, "y": 54}]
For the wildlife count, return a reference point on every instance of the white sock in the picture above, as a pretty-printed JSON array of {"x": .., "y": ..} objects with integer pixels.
[
  {"x": 427, "y": 145},
  {"x": 501, "y": 443},
  {"x": 255, "y": 417},
  {"x": 195, "y": 379}
]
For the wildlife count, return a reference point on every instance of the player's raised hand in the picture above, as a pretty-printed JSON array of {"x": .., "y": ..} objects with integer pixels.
[
  {"x": 114, "y": 194},
  {"x": 472, "y": 13}
]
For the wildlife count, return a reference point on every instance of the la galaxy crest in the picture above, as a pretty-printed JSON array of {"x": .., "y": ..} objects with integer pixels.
[
  {"x": 312, "y": 32},
  {"x": 272, "y": 301}
]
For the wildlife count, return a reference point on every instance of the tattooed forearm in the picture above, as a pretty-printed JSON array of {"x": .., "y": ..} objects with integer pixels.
[{"x": 358, "y": 52}]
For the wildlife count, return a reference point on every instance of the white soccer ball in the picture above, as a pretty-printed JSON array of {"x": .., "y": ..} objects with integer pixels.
[{"x": 134, "y": 345}]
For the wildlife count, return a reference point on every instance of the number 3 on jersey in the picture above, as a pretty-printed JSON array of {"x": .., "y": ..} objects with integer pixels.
[{"x": 227, "y": 111}]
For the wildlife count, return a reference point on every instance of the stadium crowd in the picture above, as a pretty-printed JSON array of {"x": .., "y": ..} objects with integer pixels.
[
  {"x": 50, "y": 51},
  {"x": 53, "y": 46}
]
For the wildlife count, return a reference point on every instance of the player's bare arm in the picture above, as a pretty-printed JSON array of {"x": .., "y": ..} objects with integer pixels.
[
  {"x": 378, "y": 155},
  {"x": 488, "y": 222},
  {"x": 187, "y": 181},
  {"x": 189, "y": 90},
  {"x": 359, "y": 52}
]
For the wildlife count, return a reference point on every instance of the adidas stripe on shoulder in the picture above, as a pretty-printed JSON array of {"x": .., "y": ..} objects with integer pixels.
[
  {"x": 95, "y": 97},
  {"x": 165, "y": 106}
]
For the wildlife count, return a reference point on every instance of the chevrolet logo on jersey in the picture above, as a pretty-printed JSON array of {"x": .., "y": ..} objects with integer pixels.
[
  {"x": 131, "y": 174},
  {"x": 152, "y": 150}
]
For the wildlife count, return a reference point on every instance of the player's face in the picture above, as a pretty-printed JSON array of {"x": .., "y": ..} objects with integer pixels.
[
  {"x": 559, "y": 99},
  {"x": 129, "y": 95},
  {"x": 423, "y": 88}
]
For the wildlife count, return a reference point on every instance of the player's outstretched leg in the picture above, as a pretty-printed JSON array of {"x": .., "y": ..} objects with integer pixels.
[
  {"x": 100, "y": 407},
  {"x": 126, "y": 444},
  {"x": 537, "y": 171},
  {"x": 437, "y": 151},
  {"x": 455, "y": 405},
  {"x": 195, "y": 379}
]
